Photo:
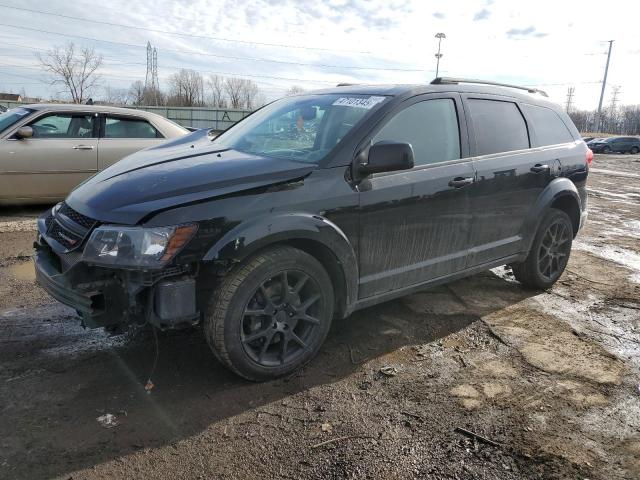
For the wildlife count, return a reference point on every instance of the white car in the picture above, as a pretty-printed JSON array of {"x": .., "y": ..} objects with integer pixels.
[{"x": 46, "y": 150}]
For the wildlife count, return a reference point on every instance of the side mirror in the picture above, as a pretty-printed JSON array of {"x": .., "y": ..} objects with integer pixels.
[
  {"x": 24, "y": 132},
  {"x": 387, "y": 157}
]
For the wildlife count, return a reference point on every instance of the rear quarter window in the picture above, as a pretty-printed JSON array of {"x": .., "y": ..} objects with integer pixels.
[
  {"x": 548, "y": 126},
  {"x": 499, "y": 126}
]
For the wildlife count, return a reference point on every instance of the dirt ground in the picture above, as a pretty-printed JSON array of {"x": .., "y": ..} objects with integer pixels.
[{"x": 476, "y": 379}]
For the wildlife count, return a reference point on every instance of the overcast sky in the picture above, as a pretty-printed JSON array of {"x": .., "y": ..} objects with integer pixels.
[{"x": 280, "y": 43}]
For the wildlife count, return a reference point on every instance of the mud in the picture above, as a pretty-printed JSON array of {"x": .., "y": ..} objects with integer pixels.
[{"x": 548, "y": 382}]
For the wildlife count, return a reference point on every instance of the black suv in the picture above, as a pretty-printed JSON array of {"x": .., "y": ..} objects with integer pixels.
[
  {"x": 315, "y": 206},
  {"x": 616, "y": 144}
]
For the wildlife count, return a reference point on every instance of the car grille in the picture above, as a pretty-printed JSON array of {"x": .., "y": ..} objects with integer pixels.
[
  {"x": 68, "y": 228},
  {"x": 76, "y": 217}
]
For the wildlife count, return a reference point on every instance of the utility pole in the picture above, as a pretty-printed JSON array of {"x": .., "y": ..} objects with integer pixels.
[
  {"x": 570, "y": 92},
  {"x": 604, "y": 84},
  {"x": 439, "y": 36}
]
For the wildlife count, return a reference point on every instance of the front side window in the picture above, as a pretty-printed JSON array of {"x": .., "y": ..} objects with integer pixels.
[
  {"x": 499, "y": 126},
  {"x": 120, "y": 127},
  {"x": 431, "y": 127},
  {"x": 64, "y": 125},
  {"x": 13, "y": 116},
  {"x": 549, "y": 127},
  {"x": 302, "y": 128}
]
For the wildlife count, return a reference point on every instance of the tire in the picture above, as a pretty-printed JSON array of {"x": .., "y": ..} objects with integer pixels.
[
  {"x": 549, "y": 252},
  {"x": 634, "y": 150},
  {"x": 606, "y": 149},
  {"x": 258, "y": 333}
]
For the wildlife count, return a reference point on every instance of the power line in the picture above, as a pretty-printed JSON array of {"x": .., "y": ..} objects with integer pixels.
[
  {"x": 229, "y": 57},
  {"x": 166, "y": 32},
  {"x": 178, "y": 67}
]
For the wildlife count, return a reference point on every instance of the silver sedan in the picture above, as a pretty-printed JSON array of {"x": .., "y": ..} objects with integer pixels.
[{"x": 46, "y": 150}]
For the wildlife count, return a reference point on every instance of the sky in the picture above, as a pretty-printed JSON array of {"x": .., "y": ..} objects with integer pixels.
[{"x": 552, "y": 45}]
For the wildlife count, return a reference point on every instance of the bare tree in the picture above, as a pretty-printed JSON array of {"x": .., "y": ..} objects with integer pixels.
[
  {"x": 295, "y": 90},
  {"x": 187, "y": 89},
  {"x": 76, "y": 71},
  {"x": 116, "y": 96},
  {"x": 250, "y": 93},
  {"x": 233, "y": 87},
  {"x": 216, "y": 84},
  {"x": 136, "y": 93}
]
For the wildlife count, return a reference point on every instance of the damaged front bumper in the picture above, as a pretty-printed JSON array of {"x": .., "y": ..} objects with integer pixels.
[{"x": 111, "y": 298}]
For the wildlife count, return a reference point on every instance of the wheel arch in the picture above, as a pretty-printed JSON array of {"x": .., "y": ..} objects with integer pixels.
[
  {"x": 561, "y": 193},
  {"x": 313, "y": 234}
]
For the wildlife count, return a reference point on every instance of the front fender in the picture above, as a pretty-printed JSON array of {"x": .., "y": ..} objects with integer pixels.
[
  {"x": 557, "y": 188},
  {"x": 258, "y": 233}
]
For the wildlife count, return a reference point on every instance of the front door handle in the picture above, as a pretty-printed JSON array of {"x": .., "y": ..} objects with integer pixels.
[
  {"x": 83, "y": 147},
  {"x": 460, "y": 182},
  {"x": 537, "y": 168}
]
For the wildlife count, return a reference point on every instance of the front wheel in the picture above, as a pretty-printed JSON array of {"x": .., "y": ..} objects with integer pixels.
[
  {"x": 549, "y": 253},
  {"x": 606, "y": 150},
  {"x": 635, "y": 150},
  {"x": 271, "y": 314}
]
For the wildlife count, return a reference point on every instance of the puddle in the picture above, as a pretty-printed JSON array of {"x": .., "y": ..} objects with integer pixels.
[{"x": 23, "y": 271}]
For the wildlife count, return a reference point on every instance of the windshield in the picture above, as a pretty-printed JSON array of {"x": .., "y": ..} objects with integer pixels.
[
  {"x": 10, "y": 117},
  {"x": 304, "y": 128}
]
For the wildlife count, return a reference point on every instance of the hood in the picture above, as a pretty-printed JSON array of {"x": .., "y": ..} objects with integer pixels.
[{"x": 173, "y": 174}]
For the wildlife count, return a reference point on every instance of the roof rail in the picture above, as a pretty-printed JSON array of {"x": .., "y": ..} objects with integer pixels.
[
  {"x": 346, "y": 84},
  {"x": 450, "y": 80}
]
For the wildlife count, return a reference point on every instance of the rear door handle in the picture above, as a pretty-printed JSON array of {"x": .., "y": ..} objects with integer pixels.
[
  {"x": 460, "y": 182},
  {"x": 537, "y": 168},
  {"x": 83, "y": 147}
]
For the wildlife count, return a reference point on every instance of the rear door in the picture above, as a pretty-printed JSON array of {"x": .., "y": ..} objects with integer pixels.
[
  {"x": 122, "y": 135},
  {"x": 510, "y": 176},
  {"x": 414, "y": 224},
  {"x": 61, "y": 154}
]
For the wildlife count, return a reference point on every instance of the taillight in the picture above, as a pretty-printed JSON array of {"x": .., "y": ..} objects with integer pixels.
[{"x": 589, "y": 157}]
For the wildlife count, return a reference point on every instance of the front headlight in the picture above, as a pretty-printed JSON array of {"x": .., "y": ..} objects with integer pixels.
[{"x": 111, "y": 245}]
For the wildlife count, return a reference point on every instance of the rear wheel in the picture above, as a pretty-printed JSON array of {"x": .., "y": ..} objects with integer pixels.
[
  {"x": 635, "y": 150},
  {"x": 271, "y": 314},
  {"x": 549, "y": 253}
]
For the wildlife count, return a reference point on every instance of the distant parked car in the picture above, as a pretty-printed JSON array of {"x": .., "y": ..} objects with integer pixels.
[
  {"x": 587, "y": 139},
  {"x": 3, "y": 109},
  {"x": 46, "y": 150},
  {"x": 616, "y": 144}
]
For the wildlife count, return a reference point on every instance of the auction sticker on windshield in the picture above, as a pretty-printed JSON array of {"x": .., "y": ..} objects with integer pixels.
[{"x": 358, "y": 102}]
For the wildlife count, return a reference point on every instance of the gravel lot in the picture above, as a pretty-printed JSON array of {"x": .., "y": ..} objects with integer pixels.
[{"x": 476, "y": 379}]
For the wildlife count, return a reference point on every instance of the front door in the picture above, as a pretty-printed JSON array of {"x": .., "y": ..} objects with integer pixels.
[
  {"x": 414, "y": 224},
  {"x": 62, "y": 153}
]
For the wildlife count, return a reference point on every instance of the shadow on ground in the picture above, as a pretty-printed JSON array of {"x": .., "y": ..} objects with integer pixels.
[{"x": 56, "y": 378}]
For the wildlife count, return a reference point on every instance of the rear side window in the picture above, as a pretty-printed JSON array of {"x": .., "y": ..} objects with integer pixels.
[
  {"x": 499, "y": 126},
  {"x": 549, "y": 127},
  {"x": 118, "y": 127},
  {"x": 431, "y": 127}
]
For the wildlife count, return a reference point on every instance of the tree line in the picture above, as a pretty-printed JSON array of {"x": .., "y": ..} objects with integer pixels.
[
  {"x": 624, "y": 120},
  {"x": 78, "y": 72}
]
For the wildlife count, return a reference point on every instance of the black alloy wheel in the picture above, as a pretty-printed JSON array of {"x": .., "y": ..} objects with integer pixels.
[
  {"x": 554, "y": 250},
  {"x": 281, "y": 320},
  {"x": 549, "y": 253},
  {"x": 270, "y": 314}
]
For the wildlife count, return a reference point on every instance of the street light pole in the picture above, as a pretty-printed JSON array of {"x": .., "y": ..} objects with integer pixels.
[{"x": 439, "y": 36}]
